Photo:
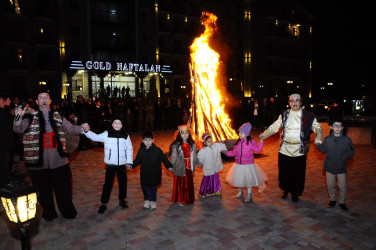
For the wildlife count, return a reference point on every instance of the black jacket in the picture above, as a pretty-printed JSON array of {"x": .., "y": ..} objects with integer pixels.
[
  {"x": 338, "y": 151},
  {"x": 151, "y": 168}
]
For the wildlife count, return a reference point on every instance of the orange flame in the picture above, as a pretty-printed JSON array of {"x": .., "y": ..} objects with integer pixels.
[{"x": 208, "y": 113}]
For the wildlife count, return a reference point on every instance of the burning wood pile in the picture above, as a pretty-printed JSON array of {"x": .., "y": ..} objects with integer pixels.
[{"x": 208, "y": 112}]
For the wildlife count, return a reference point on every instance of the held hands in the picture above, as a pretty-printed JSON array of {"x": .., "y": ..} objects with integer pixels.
[
  {"x": 261, "y": 136},
  {"x": 171, "y": 170},
  {"x": 129, "y": 166},
  {"x": 86, "y": 127}
]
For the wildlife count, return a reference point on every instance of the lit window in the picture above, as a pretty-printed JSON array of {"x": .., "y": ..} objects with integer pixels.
[
  {"x": 113, "y": 12},
  {"x": 330, "y": 84},
  {"x": 168, "y": 17},
  {"x": 247, "y": 15},
  {"x": 19, "y": 56},
  {"x": 186, "y": 19},
  {"x": 295, "y": 30},
  {"x": 113, "y": 33},
  {"x": 290, "y": 82},
  {"x": 276, "y": 22}
]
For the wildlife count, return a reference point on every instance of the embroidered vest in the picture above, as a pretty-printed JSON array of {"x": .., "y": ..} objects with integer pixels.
[
  {"x": 305, "y": 129},
  {"x": 33, "y": 137}
]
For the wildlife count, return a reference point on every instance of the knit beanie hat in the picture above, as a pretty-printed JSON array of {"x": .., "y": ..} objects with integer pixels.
[
  {"x": 205, "y": 135},
  {"x": 246, "y": 128},
  {"x": 117, "y": 118}
]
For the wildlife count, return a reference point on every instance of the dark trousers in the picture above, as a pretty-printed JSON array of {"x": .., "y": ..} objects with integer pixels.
[
  {"x": 150, "y": 193},
  {"x": 58, "y": 181},
  {"x": 291, "y": 174},
  {"x": 121, "y": 173}
]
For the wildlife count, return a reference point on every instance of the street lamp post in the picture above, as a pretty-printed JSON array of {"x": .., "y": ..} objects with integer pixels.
[{"x": 20, "y": 202}]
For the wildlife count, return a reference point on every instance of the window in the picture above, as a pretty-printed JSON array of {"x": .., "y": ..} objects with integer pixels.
[{"x": 77, "y": 83}]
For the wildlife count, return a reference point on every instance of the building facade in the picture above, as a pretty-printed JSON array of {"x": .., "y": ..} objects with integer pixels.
[
  {"x": 98, "y": 48},
  {"x": 277, "y": 49}
]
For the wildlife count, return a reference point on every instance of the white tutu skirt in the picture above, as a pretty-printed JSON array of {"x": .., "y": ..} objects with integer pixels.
[{"x": 250, "y": 175}]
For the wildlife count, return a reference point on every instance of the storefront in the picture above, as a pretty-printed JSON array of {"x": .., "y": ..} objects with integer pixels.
[{"x": 97, "y": 79}]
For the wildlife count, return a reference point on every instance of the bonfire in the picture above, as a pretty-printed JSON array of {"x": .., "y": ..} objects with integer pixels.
[{"x": 208, "y": 104}]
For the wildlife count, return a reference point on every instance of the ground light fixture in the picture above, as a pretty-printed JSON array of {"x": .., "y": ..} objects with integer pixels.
[{"x": 20, "y": 202}]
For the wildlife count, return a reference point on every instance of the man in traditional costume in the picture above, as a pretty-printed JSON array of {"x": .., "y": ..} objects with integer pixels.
[
  {"x": 297, "y": 125},
  {"x": 46, "y": 155}
]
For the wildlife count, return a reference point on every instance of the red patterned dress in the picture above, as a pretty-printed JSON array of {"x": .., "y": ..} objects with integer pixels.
[{"x": 183, "y": 190}]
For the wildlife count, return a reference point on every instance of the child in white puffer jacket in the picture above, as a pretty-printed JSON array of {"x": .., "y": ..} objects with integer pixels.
[{"x": 118, "y": 155}]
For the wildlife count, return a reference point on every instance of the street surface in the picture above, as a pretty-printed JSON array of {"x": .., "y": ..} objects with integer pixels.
[{"x": 211, "y": 223}]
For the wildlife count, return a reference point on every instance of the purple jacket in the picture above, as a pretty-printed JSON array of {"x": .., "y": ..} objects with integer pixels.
[{"x": 243, "y": 152}]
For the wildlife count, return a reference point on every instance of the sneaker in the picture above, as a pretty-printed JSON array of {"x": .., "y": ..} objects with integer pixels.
[
  {"x": 343, "y": 207},
  {"x": 153, "y": 205},
  {"x": 146, "y": 204},
  {"x": 102, "y": 208},
  {"x": 249, "y": 198},
  {"x": 332, "y": 204},
  {"x": 123, "y": 204}
]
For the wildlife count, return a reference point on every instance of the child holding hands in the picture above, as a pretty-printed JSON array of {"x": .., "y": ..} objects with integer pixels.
[
  {"x": 184, "y": 159},
  {"x": 245, "y": 173},
  {"x": 211, "y": 162},
  {"x": 118, "y": 152},
  {"x": 338, "y": 149},
  {"x": 150, "y": 157}
]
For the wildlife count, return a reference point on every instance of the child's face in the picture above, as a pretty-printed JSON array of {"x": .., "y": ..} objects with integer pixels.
[
  {"x": 117, "y": 125},
  {"x": 337, "y": 128},
  {"x": 209, "y": 142},
  {"x": 184, "y": 135},
  {"x": 148, "y": 142},
  {"x": 242, "y": 135}
]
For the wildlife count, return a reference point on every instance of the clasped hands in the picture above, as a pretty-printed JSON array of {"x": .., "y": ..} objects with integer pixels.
[{"x": 85, "y": 127}]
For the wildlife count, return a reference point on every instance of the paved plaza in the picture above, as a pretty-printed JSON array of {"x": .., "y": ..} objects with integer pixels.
[{"x": 211, "y": 223}]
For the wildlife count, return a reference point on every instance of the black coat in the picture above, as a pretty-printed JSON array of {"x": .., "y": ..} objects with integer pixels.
[{"x": 151, "y": 168}]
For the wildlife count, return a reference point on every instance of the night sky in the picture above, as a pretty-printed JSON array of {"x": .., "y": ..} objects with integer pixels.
[{"x": 344, "y": 45}]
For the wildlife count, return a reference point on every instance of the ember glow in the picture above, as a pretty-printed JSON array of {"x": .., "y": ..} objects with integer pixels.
[{"x": 208, "y": 113}]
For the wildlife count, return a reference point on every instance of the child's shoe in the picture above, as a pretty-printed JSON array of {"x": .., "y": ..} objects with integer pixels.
[
  {"x": 240, "y": 195},
  {"x": 343, "y": 207},
  {"x": 102, "y": 208},
  {"x": 123, "y": 204},
  {"x": 153, "y": 205},
  {"x": 249, "y": 198},
  {"x": 332, "y": 204},
  {"x": 146, "y": 204}
]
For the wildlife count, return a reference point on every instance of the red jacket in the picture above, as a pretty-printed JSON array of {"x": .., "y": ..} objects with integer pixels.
[{"x": 243, "y": 152}]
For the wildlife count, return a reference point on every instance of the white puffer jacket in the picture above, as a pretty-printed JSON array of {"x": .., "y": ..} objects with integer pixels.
[
  {"x": 117, "y": 151},
  {"x": 210, "y": 158}
]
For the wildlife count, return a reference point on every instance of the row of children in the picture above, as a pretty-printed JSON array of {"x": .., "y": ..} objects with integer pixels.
[{"x": 183, "y": 160}]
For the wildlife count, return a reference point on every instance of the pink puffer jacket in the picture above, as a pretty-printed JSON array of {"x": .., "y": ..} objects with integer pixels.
[{"x": 243, "y": 152}]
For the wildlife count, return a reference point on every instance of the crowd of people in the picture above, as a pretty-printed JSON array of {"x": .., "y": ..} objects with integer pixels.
[{"x": 40, "y": 126}]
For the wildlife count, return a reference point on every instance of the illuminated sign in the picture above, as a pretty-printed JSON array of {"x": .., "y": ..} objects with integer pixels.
[{"x": 132, "y": 67}]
